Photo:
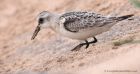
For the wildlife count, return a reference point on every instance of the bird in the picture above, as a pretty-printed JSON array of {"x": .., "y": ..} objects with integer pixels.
[{"x": 78, "y": 25}]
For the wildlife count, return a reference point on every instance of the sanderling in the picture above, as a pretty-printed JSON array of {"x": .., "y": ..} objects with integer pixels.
[{"x": 77, "y": 25}]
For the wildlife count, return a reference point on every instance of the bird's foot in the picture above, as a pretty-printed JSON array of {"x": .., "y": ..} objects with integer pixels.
[{"x": 82, "y": 44}]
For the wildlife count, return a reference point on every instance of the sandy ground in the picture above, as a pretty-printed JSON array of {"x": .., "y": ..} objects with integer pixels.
[{"x": 117, "y": 51}]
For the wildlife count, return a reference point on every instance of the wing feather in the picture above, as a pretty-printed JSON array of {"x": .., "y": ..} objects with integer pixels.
[{"x": 77, "y": 21}]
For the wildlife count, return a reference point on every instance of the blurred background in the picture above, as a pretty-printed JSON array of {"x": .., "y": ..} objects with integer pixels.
[{"x": 18, "y": 21}]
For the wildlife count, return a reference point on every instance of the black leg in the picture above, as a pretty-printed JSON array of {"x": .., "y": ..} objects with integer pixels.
[
  {"x": 95, "y": 40},
  {"x": 82, "y": 44},
  {"x": 87, "y": 44}
]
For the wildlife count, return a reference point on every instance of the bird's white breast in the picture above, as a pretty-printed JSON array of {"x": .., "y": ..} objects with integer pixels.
[{"x": 84, "y": 34}]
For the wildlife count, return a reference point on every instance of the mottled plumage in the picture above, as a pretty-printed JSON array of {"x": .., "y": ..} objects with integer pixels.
[{"x": 78, "y": 21}]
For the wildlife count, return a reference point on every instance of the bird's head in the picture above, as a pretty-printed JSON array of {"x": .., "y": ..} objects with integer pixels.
[{"x": 43, "y": 22}]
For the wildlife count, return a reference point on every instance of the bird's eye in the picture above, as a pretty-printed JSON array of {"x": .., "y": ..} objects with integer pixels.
[{"x": 41, "y": 20}]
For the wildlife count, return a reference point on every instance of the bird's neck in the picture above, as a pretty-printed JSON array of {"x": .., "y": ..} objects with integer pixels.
[{"x": 55, "y": 22}]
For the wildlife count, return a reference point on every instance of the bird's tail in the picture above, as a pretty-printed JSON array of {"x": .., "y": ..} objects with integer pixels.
[{"x": 124, "y": 17}]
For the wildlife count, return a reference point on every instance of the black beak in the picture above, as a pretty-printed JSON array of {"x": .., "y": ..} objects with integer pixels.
[{"x": 35, "y": 32}]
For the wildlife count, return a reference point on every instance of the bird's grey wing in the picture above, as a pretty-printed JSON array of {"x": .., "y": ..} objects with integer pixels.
[{"x": 77, "y": 21}]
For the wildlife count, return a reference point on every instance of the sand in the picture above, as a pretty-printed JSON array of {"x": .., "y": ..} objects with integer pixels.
[{"x": 117, "y": 51}]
